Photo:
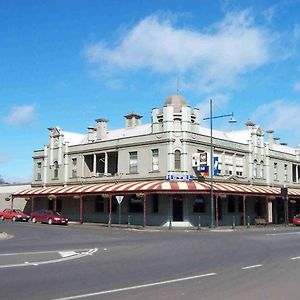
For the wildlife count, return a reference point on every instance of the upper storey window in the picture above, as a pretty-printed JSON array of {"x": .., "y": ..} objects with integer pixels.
[
  {"x": 39, "y": 171},
  {"x": 56, "y": 167},
  {"x": 177, "y": 158},
  {"x": 133, "y": 162},
  {"x": 155, "y": 160}
]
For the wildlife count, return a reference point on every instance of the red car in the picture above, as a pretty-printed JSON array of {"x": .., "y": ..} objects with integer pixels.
[
  {"x": 296, "y": 220},
  {"x": 14, "y": 215},
  {"x": 48, "y": 216}
]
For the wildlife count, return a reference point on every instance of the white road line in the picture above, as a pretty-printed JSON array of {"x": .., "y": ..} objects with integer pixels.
[
  {"x": 43, "y": 252},
  {"x": 283, "y": 233},
  {"x": 37, "y": 263},
  {"x": 293, "y": 258},
  {"x": 136, "y": 287},
  {"x": 251, "y": 267}
]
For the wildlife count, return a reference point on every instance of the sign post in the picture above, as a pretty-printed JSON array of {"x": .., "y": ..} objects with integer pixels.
[{"x": 119, "y": 199}]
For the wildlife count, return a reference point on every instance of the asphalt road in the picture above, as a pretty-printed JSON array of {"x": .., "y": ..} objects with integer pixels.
[{"x": 91, "y": 262}]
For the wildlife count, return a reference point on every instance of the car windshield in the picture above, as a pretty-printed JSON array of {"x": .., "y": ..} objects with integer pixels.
[
  {"x": 18, "y": 211},
  {"x": 55, "y": 213}
]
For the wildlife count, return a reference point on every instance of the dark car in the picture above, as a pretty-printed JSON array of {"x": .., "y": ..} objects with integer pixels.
[
  {"x": 14, "y": 215},
  {"x": 48, "y": 216},
  {"x": 296, "y": 220}
]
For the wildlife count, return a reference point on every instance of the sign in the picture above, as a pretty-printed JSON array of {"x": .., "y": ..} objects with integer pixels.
[
  {"x": 179, "y": 177},
  {"x": 204, "y": 171},
  {"x": 203, "y": 158},
  {"x": 216, "y": 166},
  {"x": 199, "y": 159},
  {"x": 119, "y": 199}
]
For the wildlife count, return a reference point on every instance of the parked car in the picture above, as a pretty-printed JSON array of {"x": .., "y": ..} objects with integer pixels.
[
  {"x": 48, "y": 216},
  {"x": 14, "y": 215},
  {"x": 296, "y": 220}
]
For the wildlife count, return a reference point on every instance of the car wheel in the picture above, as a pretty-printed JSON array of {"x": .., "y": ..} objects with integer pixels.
[
  {"x": 14, "y": 219},
  {"x": 2, "y": 218},
  {"x": 33, "y": 220},
  {"x": 50, "y": 221}
]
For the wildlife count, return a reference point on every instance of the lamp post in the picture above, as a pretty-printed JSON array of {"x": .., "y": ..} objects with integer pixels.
[{"x": 211, "y": 117}]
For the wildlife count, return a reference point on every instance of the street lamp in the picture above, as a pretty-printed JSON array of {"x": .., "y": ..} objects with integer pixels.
[{"x": 211, "y": 117}]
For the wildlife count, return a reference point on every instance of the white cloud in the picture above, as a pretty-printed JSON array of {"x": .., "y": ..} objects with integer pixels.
[
  {"x": 210, "y": 58},
  {"x": 282, "y": 116},
  {"x": 21, "y": 114}
]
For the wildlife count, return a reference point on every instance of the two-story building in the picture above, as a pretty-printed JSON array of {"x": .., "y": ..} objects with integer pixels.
[{"x": 153, "y": 174}]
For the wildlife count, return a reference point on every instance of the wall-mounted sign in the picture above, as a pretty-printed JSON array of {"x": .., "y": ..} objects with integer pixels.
[{"x": 178, "y": 177}]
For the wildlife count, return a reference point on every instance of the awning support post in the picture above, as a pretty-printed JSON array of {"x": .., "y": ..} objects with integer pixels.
[
  {"x": 217, "y": 209},
  {"x": 110, "y": 209},
  {"x": 244, "y": 210},
  {"x": 81, "y": 209},
  {"x": 145, "y": 210},
  {"x": 32, "y": 204},
  {"x": 12, "y": 202}
]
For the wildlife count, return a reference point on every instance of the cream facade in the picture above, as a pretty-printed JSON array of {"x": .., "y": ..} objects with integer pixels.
[{"x": 164, "y": 149}]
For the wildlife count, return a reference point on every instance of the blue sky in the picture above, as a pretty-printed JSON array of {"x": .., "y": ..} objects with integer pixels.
[{"x": 66, "y": 63}]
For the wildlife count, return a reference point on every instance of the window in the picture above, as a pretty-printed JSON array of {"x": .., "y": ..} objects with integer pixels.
[
  {"x": 155, "y": 160},
  {"x": 177, "y": 160},
  {"x": 55, "y": 164},
  {"x": 155, "y": 205},
  {"x": 261, "y": 169},
  {"x": 275, "y": 171},
  {"x": 99, "y": 204},
  {"x": 239, "y": 171},
  {"x": 241, "y": 204},
  {"x": 74, "y": 167},
  {"x": 135, "y": 205},
  {"x": 39, "y": 171},
  {"x": 231, "y": 204},
  {"x": 133, "y": 162},
  {"x": 255, "y": 168},
  {"x": 199, "y": 205}
]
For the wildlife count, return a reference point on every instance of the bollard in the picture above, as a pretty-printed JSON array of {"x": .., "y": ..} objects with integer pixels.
[
  {"x": 233, "y": 222},
  {"x": 248, "y": 222},
  {"x": 128, "y": 222},
  {"x": 199, "y": 223},
  {"x": 170, "y": 223}
]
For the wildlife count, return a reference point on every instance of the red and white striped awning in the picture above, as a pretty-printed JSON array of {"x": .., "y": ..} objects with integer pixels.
[{"x": 156, "y": 187}]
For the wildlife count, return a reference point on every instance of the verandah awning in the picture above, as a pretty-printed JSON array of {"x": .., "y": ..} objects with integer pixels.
[{"x": 155, "y": 187}]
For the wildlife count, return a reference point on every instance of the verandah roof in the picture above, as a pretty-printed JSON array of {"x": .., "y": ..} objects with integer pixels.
[{"x": 155, "y": 187}]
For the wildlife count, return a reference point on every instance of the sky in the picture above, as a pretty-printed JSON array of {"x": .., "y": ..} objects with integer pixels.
[{"x": 67, "y": 63}]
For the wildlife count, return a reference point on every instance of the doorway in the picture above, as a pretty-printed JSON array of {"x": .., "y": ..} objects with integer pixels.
[{"x": 177, "y": 210}]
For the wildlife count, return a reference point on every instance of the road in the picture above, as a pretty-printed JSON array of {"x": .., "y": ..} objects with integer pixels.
[{"x": 91, "y": 262}]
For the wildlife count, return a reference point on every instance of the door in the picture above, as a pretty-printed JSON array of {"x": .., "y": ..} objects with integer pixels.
[{"x": 177, "y": 210}]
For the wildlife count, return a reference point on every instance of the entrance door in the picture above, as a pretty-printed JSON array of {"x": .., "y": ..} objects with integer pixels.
[{"x": 177, "y": 210}]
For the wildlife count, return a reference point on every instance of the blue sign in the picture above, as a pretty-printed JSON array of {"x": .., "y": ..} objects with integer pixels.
[{"x": 216, "y": 166}]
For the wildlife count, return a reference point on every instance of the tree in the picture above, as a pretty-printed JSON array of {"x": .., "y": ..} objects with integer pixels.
[{"x": 1, "y": 180}]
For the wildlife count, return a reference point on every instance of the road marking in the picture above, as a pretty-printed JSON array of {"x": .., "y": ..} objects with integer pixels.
[
  {"x": 137, "y": 287},
  {"x": 62, "y": 259},
  {"x": 293, "y": 258},
  {"x": 43, "y": 252},
  {"x": 67, "y": 253},
  {"x": 251, "y": 267},
  {"x": 283, "y": 233}
]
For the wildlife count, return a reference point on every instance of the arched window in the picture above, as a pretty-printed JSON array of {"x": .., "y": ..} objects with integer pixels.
[
  {"x": 255, "y": 168},
  {"x": 261, "y": 169},
  {"x": 177, "y": 160},
  {"x": 55, "y": 165}
]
